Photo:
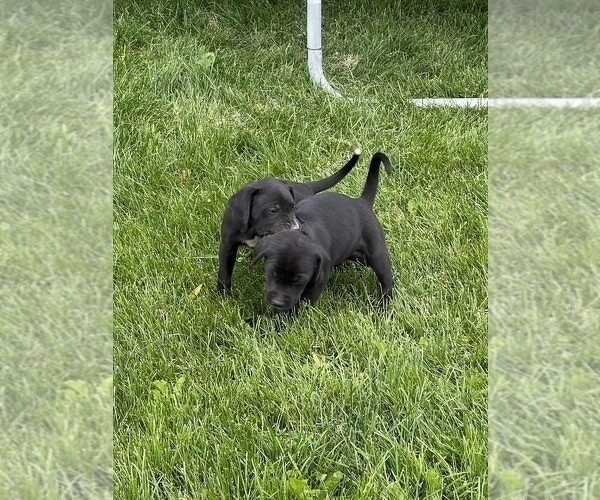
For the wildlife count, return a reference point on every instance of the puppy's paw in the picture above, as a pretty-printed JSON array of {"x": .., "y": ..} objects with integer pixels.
[
  {"x": 223, "y": 289},
  {"x": 382, "y": 302}
]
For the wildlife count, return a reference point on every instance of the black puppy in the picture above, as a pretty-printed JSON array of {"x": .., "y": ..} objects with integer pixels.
[
  {"x": 265, "y": 207},
  {"x": 334, "y": 228}
]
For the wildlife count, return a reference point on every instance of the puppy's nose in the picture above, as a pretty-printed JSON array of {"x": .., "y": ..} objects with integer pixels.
[{"x": 277, "y": 303}]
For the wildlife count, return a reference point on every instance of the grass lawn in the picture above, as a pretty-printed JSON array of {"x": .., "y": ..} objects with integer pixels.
[
  {"x": 543, "y": 49},
  {"x": 544, "y": 235},
  {"x": 56, "y": 250},
  {"x": 544, "y": 323},
  {"x": 348, "y": 400}
]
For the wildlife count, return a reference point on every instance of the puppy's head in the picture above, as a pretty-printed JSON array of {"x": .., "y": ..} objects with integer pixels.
[
  {"x": 293, "y": 264},
  {"x": 264, "y": 207}
]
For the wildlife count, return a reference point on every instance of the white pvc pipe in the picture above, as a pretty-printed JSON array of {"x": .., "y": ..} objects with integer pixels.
[
  {"x": 313, "y": 44},
  {"x": 466, "y": 102},
  {"x": 544, "y": 102},
  {"x": 511, "y": 102},
  {"x": 315, "y": 70}
]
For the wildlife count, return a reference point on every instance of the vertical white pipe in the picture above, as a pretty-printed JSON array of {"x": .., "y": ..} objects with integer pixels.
[{"x": 313, "y": 45}]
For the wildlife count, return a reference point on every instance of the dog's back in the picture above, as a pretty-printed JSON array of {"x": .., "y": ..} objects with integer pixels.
[
  {"x": 345, "y": 226},
  {"x": 342, "y": 225}
]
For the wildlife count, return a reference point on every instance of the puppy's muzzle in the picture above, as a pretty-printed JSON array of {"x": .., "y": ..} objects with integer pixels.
[
  {"x": 292, "y": 225},
  {"x": 279, "y": 302},
  {"x": 289, "y": 225}
]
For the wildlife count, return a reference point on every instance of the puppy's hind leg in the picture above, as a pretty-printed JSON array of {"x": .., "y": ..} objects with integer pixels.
[{"x": 381, "y": 263}]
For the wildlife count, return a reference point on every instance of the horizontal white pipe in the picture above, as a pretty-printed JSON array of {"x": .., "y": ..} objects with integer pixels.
[
  {"x": 544, "y": 102},
  {"x": 511, "y": 102},
  {"x": 467, "y": 102}
]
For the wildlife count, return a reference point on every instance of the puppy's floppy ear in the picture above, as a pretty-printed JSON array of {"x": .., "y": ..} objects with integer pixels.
[
  {"x": 241, "y": 206},
  {"x": 321, "y": 266},
  {"x": 258, "y": 257},
  {"x": 294, "y": 192},
  {"x": 260, "y": 251}
]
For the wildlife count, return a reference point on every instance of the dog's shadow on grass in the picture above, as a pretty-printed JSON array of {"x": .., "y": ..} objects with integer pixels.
[{"x": 267, "y": 322}]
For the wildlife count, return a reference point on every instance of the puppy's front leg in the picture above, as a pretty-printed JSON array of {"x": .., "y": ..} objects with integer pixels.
[
  {"x": 227, "y": 256},
  {"x": 313, "y": 294}
]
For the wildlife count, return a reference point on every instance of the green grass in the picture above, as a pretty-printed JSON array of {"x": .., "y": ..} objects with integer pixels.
[
  {"x": 544, "y": 266},
  {"x": 55, "y": 263},
  {"x": 544, "y": 322},
  {"x": 348, "y": 400},
  {"x": 543, "y": 49}
]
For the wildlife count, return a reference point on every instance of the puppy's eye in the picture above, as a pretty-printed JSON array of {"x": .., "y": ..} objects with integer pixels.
[
  {"x": 274, "y": 210},
  {"x": 296, "y": 279},
  {"x": 274, "y": 274}
]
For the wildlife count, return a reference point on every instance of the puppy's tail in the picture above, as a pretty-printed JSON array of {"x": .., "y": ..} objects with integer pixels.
[
  {"x": 370, "y": 189},
  {"x": 323, "y": 184}
]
